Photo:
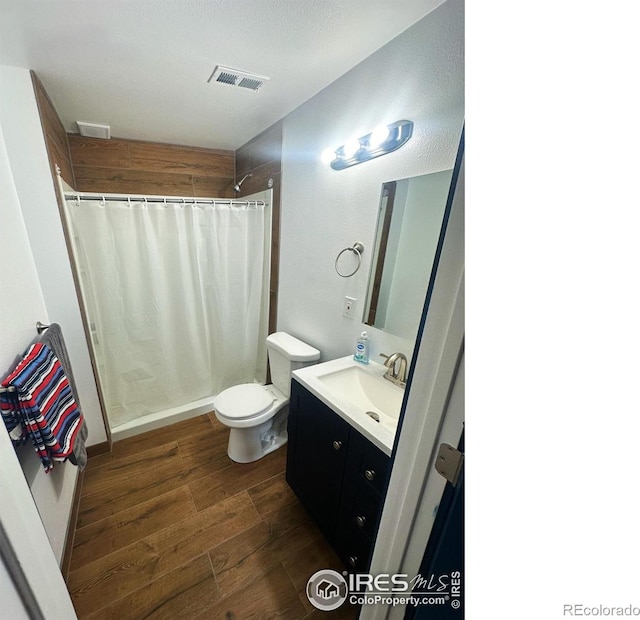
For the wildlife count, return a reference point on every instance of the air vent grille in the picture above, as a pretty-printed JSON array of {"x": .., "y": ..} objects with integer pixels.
[
  {"x": 94, "y": 130},
  {"x": 251, "y": 83},
  {"x": 227, "y": 78},
  {"x": 237, "y": 77}
]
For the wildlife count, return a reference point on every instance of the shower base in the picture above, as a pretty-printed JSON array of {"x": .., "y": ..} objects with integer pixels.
[{"x": 161, "y": 418}]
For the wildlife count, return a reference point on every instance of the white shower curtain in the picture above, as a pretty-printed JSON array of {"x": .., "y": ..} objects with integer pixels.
[{"x": 173, "y": 294}]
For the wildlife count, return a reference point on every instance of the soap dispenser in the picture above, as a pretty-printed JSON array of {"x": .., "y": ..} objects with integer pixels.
[{"x": 362, "y": 349}]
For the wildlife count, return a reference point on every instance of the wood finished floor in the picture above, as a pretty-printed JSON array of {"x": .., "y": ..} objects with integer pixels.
[{"x": 170, "y": 528}]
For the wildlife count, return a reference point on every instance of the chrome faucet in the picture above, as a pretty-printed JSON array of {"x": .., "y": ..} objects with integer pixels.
[{"x": 397, "y": 376}]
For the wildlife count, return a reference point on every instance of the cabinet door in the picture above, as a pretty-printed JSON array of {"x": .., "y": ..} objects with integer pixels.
[{"x": 317, "y": 450}]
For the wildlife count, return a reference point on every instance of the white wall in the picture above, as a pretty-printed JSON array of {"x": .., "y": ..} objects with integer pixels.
[
  {"x": 20, "y": 307},
  {"x": 418, "y": 76},
  {"x": 53, "y": 492},
  {"x": 27, "y": 153}
]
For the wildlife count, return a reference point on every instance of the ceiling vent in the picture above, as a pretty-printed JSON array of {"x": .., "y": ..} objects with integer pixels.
[
  {"x": 94, "y": 130},
  {"x": 236, "y": 77}
]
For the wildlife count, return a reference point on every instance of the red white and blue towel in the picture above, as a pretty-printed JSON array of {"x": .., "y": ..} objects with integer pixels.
[{"x": 38, "y": 403}]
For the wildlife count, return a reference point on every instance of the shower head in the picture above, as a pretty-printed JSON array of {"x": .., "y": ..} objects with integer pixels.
[{"x": 236, "y": 187}]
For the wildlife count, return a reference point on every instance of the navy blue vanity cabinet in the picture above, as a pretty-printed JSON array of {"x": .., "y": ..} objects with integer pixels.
[
  {"x": 338, "y": 474},
  {"x": 316, "y": 454}
]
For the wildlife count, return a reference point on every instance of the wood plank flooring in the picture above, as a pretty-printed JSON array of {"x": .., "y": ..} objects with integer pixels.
[{"x": 170, "y": 528}]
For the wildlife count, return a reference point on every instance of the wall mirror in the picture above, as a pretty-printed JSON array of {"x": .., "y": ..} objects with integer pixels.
[{"x": 409, "y": 222}]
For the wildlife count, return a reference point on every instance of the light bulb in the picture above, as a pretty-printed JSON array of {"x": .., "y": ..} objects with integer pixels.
[
  {"x": 378, "y": 136},
  {"x": 328, "y": 155},
  {"x": 350, "y": 148}
]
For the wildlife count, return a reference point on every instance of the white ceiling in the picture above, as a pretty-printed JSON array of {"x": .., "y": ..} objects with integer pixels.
[{"x": 142, "y": 66}]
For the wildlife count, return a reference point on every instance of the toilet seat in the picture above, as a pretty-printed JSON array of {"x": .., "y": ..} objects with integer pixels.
[{"x": 243, "y": 401}]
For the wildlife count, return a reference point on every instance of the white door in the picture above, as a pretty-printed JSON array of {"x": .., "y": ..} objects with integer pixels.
[
  {"x": 30, "y": 579},
  {"x": 434, "y": 414}
]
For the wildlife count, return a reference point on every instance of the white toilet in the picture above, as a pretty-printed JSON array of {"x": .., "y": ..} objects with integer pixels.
[{"x": 257, "y": 414}]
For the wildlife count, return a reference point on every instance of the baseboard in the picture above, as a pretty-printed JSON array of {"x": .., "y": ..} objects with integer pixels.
[
  {"x": 98, "y": 448},
  {"x": 71, "y": 528},
  {"x": 160, "y": 419}
]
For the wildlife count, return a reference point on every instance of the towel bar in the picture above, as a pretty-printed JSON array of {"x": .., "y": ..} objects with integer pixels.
[{"x": 40, "y": 327}]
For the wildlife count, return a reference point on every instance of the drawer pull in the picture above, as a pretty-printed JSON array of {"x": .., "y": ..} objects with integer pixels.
[
  {"x": 361, "y": 521},
  {"x": 353, "y": 560},
  {"x": 370, "y": 474},
  {"x": 337, "y": 445}
]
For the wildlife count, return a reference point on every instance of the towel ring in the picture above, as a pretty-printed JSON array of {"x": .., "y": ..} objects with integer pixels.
[{"x": 357, "y": 248}]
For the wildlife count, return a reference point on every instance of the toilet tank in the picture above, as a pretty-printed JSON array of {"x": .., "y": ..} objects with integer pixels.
[{"x": 287, "y": 354}]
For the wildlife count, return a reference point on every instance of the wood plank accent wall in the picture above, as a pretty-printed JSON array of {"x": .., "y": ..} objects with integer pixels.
[
  {"x": 55, "y": 136},
  {"x": 121, "y": 166},
  {"x": 57, "y": 146},
  {"x": 262, "y": 157}
]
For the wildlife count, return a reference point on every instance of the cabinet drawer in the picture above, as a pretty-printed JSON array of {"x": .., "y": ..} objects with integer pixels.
[
  {"x": 355, "y": 549},
  {"x": 363, "y": 511},
  {"x": 371, "y": 464}
]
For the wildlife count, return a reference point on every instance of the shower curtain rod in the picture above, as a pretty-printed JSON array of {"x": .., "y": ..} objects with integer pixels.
[{"x": 162, "y": 199}]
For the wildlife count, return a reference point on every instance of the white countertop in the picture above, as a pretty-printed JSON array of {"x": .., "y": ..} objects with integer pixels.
[{"x": 380, "y": 434}]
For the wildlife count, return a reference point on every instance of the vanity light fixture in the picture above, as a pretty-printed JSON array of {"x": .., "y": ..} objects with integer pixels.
[{"x": 380, "y": 141}]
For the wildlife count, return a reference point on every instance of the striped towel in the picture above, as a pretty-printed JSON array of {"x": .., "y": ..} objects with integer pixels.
[
  {"x": 54, "y": 339},
  {"x": 41, "y": 406}
]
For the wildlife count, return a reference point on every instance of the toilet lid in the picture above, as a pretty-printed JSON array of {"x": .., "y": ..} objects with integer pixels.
[{"x": 242, "y": 401}]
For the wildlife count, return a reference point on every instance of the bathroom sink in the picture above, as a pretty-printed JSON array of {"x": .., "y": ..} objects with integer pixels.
[
  {"x": 358, "y": 393},
  {"x": 368, "y": 391}
]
